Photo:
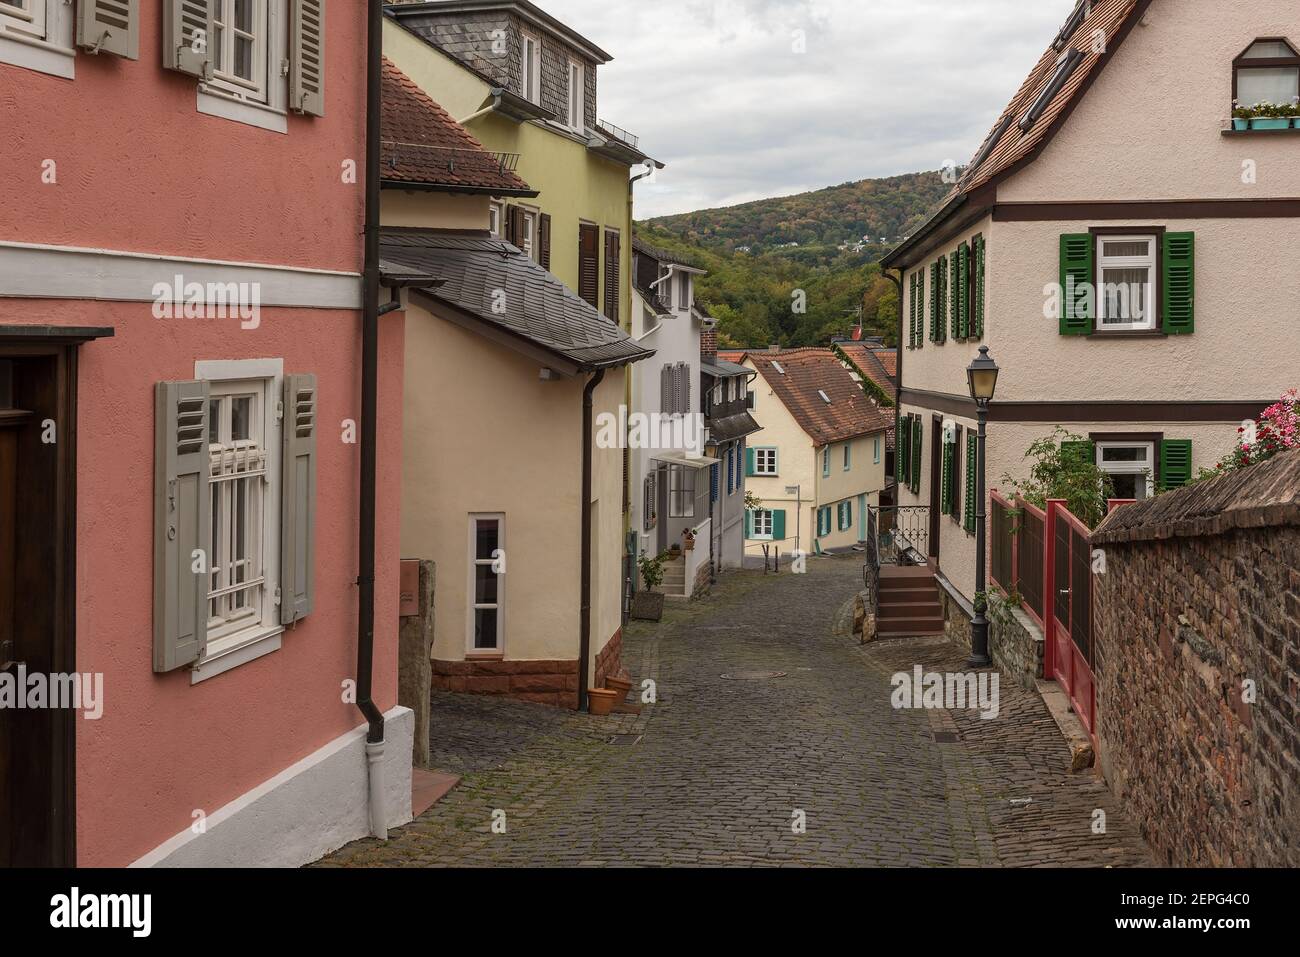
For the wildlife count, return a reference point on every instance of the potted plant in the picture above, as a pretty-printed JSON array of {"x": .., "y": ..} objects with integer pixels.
[
  {"x": 1270, "y": 116},
  {"x": 600, "y": 701},
  {"x": 648, "y": 605},
  {"x": 1240, "y": 116}
]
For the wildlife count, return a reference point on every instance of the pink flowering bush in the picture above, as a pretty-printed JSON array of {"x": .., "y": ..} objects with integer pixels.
[{"x": 1278, "y": 430}]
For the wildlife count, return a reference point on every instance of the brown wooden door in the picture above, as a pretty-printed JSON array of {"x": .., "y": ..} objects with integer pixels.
[{"x": 8, "y": 543}]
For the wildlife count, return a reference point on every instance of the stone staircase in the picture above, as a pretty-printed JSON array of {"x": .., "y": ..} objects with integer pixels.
[
  {"x": 909, "y": 603},
  {"x": 674, "y": 585}
]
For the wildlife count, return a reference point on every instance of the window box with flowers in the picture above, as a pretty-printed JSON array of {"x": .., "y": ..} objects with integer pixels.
[{"x": 1267, "y": 116}]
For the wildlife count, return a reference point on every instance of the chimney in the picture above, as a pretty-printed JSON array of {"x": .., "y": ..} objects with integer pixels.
[
  {"x": 709, "y": 345},
  {"x": 774, "y": 349}
]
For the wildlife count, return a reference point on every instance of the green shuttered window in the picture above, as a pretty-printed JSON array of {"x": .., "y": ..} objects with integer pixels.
[
  {"x": 1076, "y": 278},
  {"x": 1179, "y": 283},
  {"x": 972, "y": 455},
  {"x": 917, "y": 429},
  {"x": 1175, "y": 463}
]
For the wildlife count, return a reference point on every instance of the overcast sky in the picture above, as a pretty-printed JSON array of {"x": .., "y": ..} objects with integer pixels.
[{"x": 717, "y": 90}]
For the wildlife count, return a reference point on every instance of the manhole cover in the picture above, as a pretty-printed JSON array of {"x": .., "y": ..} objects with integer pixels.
[
  {"x": 752, "y": 675},
  {"x": 624, "y": 739}
]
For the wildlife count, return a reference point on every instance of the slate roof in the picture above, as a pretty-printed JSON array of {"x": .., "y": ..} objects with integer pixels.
[
  {"x": 1007, "y": 145},
  {"x": 662, "y": 255},
  {"x": 475, "y": 269},
  {"x": 848, "y": 415},
  {"x": 422, "y": 145}
]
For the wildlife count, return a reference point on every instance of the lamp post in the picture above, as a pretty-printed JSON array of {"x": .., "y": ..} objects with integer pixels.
[{"x": 982, "y": 377}]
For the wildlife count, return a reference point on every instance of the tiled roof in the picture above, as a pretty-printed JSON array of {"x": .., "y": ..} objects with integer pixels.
[
  {"x": 867, "y": 359},
  {"x": 1096, "y": 37},
  {"x": 732, "y": 355},
  {"x": 422, "y": 144},
  {"x": 809, "y": 371},
  {"x": 482, "y": 275},
  {"x": 889, "y": 359}
]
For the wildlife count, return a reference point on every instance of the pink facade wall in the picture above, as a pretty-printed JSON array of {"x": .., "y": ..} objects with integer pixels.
[{"x": 140, "y": 169}]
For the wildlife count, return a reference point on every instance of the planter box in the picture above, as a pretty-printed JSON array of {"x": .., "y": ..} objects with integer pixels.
[
  {"x": 647, "y": 606},
  {"x": 1240, "y": 124},
  {"x": 1270, "y": 123}
]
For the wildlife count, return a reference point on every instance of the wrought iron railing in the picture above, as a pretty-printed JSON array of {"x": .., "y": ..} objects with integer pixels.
[{"x": 896, "y": 535}]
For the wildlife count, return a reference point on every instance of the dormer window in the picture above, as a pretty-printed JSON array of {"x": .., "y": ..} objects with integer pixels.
[
  {"x": 1267, "y": 72},
  {"x": 577, "y": 96},
  {"x": 530, "y": 68}
]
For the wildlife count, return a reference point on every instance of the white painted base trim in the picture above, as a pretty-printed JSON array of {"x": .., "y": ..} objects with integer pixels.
[
  {"x": 306, "y": 811},
  {"x": 39, "y": 271}
]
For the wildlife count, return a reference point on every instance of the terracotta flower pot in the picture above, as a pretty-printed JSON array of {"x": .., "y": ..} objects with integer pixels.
[
  {"x": 600, "y": 701},
  {"x": 621, "y": 686}
]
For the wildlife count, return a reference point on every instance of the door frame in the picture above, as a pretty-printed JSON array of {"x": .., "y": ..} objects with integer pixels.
[
  {"x": 61, "y": 346},
  {"x": 936, "y": 485}
]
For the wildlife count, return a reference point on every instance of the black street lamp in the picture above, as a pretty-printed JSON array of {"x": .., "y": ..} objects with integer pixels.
[{"x": 982, "y": 377}]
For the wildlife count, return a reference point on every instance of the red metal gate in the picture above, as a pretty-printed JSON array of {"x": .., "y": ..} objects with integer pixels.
[{"x": 1069, "y": 599}]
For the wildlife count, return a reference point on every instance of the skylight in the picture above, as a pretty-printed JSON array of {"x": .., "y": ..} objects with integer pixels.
[
  {"x": 825, "y": 397},
  {"x": 777, "y": 366},
  {"x": 1071, "y": 25},
  {"x": 1065, "y": 67}
]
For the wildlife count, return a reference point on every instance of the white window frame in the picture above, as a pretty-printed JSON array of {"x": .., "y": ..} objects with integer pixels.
[
  {"x": 265, "y": 107},
  {"x": 529, "y": 241},
  {"x": 848, "y": 457},
  {"x": 495, "y": 212},
  {"x": 1146, "y": 470},
  {"x": 530, "y": 67},
  {"x": 1150, "y": 262},
  {"x": 255, "y": 88},
  {"x": 472, "y": 605},
  {"x": 875, "y": 452},
  {"x": 229, "y": 650},
  {"x": 763, "y": 518},
  {"x": 679, "y": 507},
  {"x": 39, "y": 37},
  {"x": 577, "y": 104},
  {"x": 760, "y": 451},
  {"x": 826, "y": 462}
]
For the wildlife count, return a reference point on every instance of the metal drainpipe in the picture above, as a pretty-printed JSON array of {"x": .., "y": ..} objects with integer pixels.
[
  {"x": 369, "y": 422},
  {"x": 584, "y": 645},
  {"x": 898, "y": 391}
]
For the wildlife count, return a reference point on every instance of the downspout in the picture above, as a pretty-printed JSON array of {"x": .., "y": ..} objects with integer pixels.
[
  {"x": 898, "y": 398},
  {"x": 584, "y": 645},
  {"x": 369, "y": 440},
  {"x": 494, "y": 105}
]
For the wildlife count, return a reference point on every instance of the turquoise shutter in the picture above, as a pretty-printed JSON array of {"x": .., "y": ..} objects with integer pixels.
[
  {"x": 1077, "y": 310},
  {"x": 1179, "y": 268},
  {"x": 963, "y": 289},
  {"x": 918, "y": 430},
  {"x": 749, "y": 524},
  {"x": 778, "y": 524},
  {"x": 749, "y": 462},
  {"x": 972, "y": 454},
  {"x": 1175, "y": 463},
  {"x": 848, "y": 514},
  {"x": 977, "y": 291}
]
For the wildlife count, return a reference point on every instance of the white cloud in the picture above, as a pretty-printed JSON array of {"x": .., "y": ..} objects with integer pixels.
[{"x": 716, "y": 89}]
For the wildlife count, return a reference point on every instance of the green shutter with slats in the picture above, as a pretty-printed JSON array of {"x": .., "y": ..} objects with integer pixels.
[
  {"x": 977, "y": 291},
  {"x": 1175, "y": 463},
  {"x": 955, "y": 509},
  {"x": 778, "y": 525},
  {"x": 1077, "y": 307},
  {"x": 941, "y": 319},
  {"x": 963, "y": 289},
  {"x": 945, "y": 494},
  {"x": 934, "y": 301},
  {"x": 904, "y": 450},
  {"x": 954, "y": 308},
  {"x": 918, "y": 431},
  {"x": 1179, "y": 268},
  {"x": 972, "y": 464},
  {"x": 749, "y": 524},
  {"x": 750, "y": 463}
]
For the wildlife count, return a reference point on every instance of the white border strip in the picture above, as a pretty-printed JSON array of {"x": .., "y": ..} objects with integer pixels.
[{"x": 36, "y": 271}]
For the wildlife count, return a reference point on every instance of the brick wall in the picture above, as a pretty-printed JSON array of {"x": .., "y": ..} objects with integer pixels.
[
  {"x": 542, "y": 682},
  {"x": 609, "y": 660},
  {"x": 1201, "y": 596}
]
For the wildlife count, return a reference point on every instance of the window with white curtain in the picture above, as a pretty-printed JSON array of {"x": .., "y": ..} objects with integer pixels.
[
  {"x": 1268, "y": 72},
  {"x": 1126, "y": 282}
]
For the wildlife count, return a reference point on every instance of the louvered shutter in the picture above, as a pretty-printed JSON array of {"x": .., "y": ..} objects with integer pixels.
[
  {"x": 945, "y": 492},
  {"x": 941, "y": 319},
  {"x": 613, "y": 290},
  {"x": 961, "y": 289},
  {"x": 109, "y": 26},
  {"x": 686, "y": 388},
  {"x": 187, "y": 36},
  {"x": 750, "y": 463},
  {"x": 666, "y": 388},
  {"x": 749, "y": 524},
  {"x": 905, "y": 450},
  {"x": 512, "y": 225},
  {"x": 544, "y": 240},
  {"x": 589, "y": 264},
  {"x": 935, "y": 291},
  {"x": 713, "y": 483},
  {"x": 298, "y": 499},
  {"x": 1175, "y": 463},
  {"x": 307, "y": 57},
  {"x": 1077, "y": 307},
  {"x": 972, "y": 464},
  {"x": 182, "y": 524},
  {"x": 954, "y": 312},
  {"x": 1179, "y": 268},
  {"x": 778, "y": 525},
  {"x": 918, "y": 433},
  {"x": 957, "y": 497},
  {"x": 977, "y": 291}
]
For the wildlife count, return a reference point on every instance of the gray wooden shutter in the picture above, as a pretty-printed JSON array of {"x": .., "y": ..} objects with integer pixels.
[
  {"x": 307, "y": 57},
  {"x": 666, "y": 388},
  {"x": 187, "y": 37},
  {"x": 544, "y": 240},
  {"x": 182, "y": 524},
  {"x": 298, "y": 499},
  {"x": 109, "y": 26}
]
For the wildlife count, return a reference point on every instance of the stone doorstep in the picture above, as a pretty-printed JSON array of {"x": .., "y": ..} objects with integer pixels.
[
  {"x": 428, "y": 788},
  {"x": 1082, "y": 756}
]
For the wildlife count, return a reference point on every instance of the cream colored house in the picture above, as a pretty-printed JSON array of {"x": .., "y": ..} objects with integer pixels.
[
  {"x": 819, "y": 461},
  {"x": 1120, "y": 248},
  {"x": 504, "y": 486}
]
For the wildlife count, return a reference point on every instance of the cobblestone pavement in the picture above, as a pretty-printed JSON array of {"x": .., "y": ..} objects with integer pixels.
[{"x": 718, "y": 772}]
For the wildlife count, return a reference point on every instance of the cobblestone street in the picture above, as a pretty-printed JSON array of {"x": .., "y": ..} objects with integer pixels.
[{"x": 716, "y": 770}]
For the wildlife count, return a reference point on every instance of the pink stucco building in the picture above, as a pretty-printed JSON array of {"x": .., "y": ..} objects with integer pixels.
[{"x": 180, "y": 407}]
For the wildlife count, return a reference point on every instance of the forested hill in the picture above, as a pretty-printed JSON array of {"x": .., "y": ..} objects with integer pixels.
[{"x": 796, "y": 270}]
